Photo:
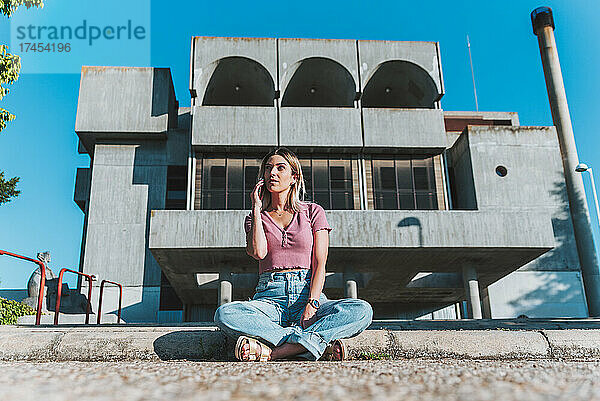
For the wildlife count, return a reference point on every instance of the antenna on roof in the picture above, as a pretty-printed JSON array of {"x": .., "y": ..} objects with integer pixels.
[{"x": 472, "y": 74}]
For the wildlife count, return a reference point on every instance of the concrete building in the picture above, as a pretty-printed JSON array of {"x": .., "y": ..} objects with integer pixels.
[{"x": 429, "y": 207}]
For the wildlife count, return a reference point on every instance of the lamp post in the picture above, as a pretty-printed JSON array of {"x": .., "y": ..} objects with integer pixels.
[
  {"x": 543, "y": 27},
  {"x": 582, "y": 168}
]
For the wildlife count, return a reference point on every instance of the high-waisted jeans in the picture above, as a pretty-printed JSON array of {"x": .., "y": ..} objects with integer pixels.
[{"x": 274, "y": 313}]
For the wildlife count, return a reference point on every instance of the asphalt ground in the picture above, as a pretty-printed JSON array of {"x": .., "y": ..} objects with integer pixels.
[{"x": 414, "y": 379}]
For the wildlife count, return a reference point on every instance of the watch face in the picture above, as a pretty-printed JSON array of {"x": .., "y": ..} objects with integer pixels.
[{"x": 315, "y": 303}]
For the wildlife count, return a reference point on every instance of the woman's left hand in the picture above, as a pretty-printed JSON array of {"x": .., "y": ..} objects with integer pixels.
[{"x": 309, "y": 316}]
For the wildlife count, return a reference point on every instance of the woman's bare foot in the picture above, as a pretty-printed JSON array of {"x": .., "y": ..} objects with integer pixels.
[
  {"x": 246, "y": 351},
  {"x": 251, "y": 349},
  {"x": 283, "y": 351}
]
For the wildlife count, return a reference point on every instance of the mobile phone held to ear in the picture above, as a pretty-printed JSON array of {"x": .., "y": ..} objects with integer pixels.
[{"x": 261, "y": 191}]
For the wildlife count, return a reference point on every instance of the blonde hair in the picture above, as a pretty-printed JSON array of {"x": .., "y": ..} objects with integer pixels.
[{"x": 295, "y": 199}]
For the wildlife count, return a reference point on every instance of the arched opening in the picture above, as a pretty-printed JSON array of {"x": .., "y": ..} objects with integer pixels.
[
  {"x": 239, "y": 81},
  {"x": 320, "y": 82},
  {"x": 400, "y": 84}
]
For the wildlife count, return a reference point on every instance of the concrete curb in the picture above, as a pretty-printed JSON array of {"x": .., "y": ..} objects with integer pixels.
[
  {"x": 114, "y": 343},
  {"x": 469, "y": 344},
  {"x": 573, "y": 344},
  {"x": 93, "y": 343}
]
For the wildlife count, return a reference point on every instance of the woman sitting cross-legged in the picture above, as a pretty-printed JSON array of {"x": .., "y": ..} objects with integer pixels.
[{"x": 289, "y": 315}]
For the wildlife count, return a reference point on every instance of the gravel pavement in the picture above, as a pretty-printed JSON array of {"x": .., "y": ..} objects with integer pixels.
[{"x": 416, "y": 379}]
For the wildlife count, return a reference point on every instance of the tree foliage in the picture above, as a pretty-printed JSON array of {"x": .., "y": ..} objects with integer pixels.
[
  {"x": 10, "y": 66},
  {"x": 8, "y": 188},
  {"x": 8, "y": 7}
]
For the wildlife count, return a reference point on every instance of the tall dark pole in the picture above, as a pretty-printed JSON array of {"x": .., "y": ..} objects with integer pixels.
[{"x": 543, "y": 28}]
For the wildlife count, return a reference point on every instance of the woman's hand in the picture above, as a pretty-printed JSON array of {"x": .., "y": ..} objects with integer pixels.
[
  {"x": 256, "y": 195},
  {"x": 309, "y": 316}
]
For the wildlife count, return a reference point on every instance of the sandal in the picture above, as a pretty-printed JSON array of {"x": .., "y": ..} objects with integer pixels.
[
  {"x": 253, "y": 352},
  {"x": 329, "y": 353}
]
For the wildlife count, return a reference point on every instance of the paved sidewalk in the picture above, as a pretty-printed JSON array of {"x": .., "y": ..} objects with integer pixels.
[
  {"x": 496, "y": 340},
  {"x": 406, "y": 380}
]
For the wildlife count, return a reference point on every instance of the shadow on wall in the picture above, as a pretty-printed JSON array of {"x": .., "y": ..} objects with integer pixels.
[
  {"x": 413, "y": 221},
  {"x": 555, "y": 293},
  {"x": 553, "y": 296}
]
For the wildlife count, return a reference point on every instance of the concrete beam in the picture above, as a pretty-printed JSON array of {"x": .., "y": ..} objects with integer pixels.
[
  {"x": 125, "y": 100},
  {"x": 320, "y": 127},
  {"x": 194, "y": 229},
  {"x": 396, "y": 128},
  {"x": 234, "y": 126}
]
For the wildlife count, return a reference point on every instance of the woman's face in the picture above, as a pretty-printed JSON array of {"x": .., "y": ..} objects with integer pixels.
[{"x": 278, "y": 174}]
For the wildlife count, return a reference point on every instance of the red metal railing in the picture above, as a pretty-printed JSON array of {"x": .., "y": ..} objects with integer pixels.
[
  {"x": 100, "y": 300},
  {"x": 38, "y": 315},
  {"x": 89, "y": 278}
]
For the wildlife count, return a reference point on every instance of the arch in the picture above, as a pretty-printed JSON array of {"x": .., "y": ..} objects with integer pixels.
[
  {"x": 400, "y": 84},
  {"x": 319, "y": 82},
  {"x": 239, "y": 81}
]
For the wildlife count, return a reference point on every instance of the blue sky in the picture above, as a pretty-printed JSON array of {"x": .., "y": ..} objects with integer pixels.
[{"x": 40, "y": 146}]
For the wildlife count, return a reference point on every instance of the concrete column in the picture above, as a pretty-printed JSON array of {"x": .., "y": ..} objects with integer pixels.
[
  {"x": 472, "y": 291},
  {"x": 485, "y": 303},
  {"x": 543, "y": 27},
  {"x": 225, "y": 287},
  {"x": 351, "y": 289},
  {"x": 457, "y": 310}
]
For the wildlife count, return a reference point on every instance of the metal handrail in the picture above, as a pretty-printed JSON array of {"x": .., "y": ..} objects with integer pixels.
[
  {"x": 100, "y": 300},
  {"x": 38, "y": 315},
  {"x": 89, "y": 278}
]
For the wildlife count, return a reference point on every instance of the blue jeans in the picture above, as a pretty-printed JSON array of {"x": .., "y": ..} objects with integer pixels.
[{"x": 273, "y": 315}]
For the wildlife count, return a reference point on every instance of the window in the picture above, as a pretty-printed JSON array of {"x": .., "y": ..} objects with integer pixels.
[
  {"x": 404, "y": 182},
  {"x": 176, "y": 187},
  {"x": 226, "y": 182},
  {"x": 328, "y": 182}
]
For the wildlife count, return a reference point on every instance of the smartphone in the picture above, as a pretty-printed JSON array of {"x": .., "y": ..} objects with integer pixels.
[{"x": 261, "y": 191}]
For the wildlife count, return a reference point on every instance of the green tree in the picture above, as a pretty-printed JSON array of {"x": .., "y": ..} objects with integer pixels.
[
  {"x": 8, "y": 188},
  {"x": 10, "y": 66}
]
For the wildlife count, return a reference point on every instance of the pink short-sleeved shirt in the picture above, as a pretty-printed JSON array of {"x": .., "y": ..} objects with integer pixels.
[{"x": 290, "y": 247}]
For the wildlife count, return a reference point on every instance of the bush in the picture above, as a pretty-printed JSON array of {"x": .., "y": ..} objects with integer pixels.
[{"x": 10, "y": 310}]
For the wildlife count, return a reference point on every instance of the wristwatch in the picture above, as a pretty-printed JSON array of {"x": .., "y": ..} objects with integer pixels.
[{"x": 314, "y": 303}]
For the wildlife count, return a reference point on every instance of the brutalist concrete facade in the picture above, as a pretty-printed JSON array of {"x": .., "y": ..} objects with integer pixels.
[{"x": 503, "y": 213}]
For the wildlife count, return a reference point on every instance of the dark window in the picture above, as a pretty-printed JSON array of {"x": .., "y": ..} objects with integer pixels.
[
  {"x": 168, "y": 298},
  {"x": 226, "y": 182},
  {"x": 404, "y": 182},
  {"x": 328, "y": 182},
  {"x": 176, "y": 187}
]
